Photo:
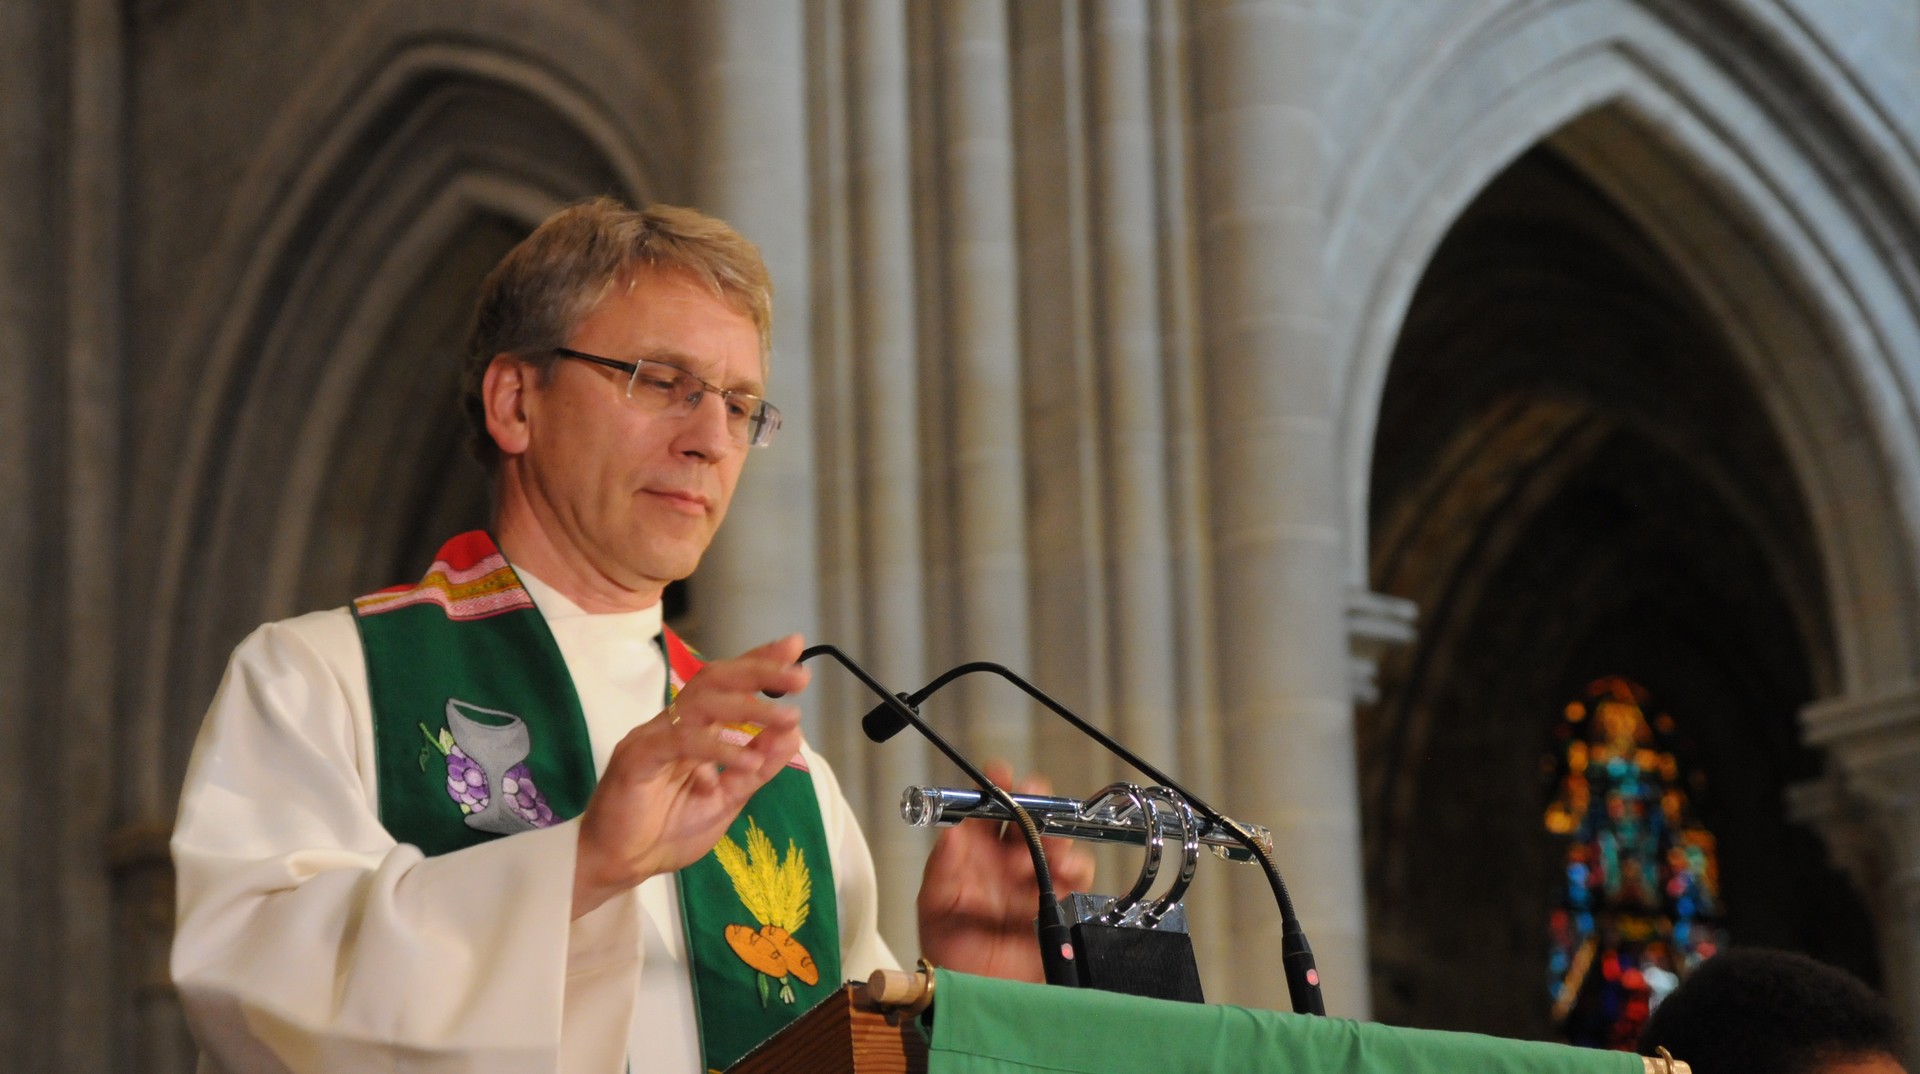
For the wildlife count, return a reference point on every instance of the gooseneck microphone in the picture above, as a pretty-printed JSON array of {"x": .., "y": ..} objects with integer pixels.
[
  {"x": 1056, "y": 939},
  {"x": 1296, "y": 955}
]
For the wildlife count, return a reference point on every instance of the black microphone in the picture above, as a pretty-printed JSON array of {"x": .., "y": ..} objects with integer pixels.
[
  {"x": 1056, "y": 940},
  {"x": 1296, "y": 955}
]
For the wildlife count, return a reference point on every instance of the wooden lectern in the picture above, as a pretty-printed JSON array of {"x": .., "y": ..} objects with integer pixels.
[{"x": 862, "y": 1029}]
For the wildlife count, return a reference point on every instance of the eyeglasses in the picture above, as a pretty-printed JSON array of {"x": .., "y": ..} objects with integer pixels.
[{"x": 666, "y": 388}]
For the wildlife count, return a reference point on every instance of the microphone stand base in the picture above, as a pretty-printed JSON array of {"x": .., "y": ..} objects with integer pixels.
[{"x": 1155, "y": 963}]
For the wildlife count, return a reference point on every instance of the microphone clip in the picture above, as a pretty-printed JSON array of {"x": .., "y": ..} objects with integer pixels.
[{"x": 1127, "y": 944}]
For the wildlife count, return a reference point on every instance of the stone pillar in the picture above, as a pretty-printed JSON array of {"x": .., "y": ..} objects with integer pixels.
[
  {"x": 1132, "y": 420},
  {"x": 886, "y": 387},
  {"x": 985, "y": 454},
  {"x": 760, "y": 578},
  {"x": 1066, "y": 515},
  {"x": 1868, "y": 809},
  {"x": 90, "y": 1002},
  {"x": 1189, "y": 416},
  {"x": 30, "y": 144},
  {"x": 1277, "y": 551}
]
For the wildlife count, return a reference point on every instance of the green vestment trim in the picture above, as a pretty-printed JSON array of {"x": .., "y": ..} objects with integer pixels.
[
  {"x": 477, "y": 729},
  {"x": 768, "y": 948},
  {"x": 478, "y": 733}
]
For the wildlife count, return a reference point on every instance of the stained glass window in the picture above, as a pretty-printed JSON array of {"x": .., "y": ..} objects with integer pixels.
[{"x": 1639, "y": 903}]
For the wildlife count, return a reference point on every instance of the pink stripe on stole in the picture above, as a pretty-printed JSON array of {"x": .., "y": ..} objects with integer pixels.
[{"x": 479, "y": 570}]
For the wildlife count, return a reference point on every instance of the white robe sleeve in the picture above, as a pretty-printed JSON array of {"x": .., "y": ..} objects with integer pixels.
[{"x": 308, "y": 940}]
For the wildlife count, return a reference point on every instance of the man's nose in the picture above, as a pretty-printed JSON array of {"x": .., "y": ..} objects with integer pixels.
[{"x": 706, "y": 432}]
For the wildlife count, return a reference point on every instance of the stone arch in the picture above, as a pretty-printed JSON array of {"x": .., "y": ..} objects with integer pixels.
[
  {"x": 1699, "y": 160},
  {"x": 1697, "y": 144},
  {"x": 1574, "y": 479},
  {"x": 396, "y": 177}
]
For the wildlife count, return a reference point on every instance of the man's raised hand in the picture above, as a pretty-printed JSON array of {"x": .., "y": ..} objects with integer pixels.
[
  {"x": 978, "y": 895},
  {"x": 674, "y": 784}
]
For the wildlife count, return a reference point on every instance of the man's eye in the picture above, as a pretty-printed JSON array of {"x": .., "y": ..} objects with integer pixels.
[
  {"x": 738, "y": 409},
  {"x": 661, "y": 383}
]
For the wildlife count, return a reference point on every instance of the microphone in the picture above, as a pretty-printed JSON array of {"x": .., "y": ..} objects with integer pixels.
[
  {"x": 1056, "y": 939},
  {"x": 1296, "y": 955}
]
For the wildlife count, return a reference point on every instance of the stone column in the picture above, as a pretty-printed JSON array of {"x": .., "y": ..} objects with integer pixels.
[
  {"x": 1868, "y": 809},
  {"x": 985, "y": 453},
  {"x": 30, "y": 144},
  {"x": 1133, "y": 383},
  {"x": 91, "y": 999},
  {"x": 1196, "y": 719},
  {"x": 1066, "y": 513},
  {"x": 1279, "y": 606},
  {"x": 886, "y": 387},
  {"x": 760, "y": 578}
]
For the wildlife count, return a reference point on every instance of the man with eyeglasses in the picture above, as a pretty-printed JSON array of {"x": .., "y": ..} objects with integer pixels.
[{"x": 502, "y": 819}]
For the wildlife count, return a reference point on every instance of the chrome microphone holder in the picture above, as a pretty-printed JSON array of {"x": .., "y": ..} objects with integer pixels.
[
  {"x": 1096, "y": 819},
  {"x": 1126, "y": 944}
]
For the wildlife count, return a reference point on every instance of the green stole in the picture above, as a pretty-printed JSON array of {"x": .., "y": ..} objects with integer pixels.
[{"x": 478, "y": 733}]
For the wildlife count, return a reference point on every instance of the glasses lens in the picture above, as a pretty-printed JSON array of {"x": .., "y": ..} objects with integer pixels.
[
  {"x": 751, "y": 420},
  {"x": 764, "y": 423},
  {"x": 659, "y": 385}
]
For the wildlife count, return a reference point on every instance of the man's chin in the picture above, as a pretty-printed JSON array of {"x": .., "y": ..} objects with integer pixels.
[{"x": 669, "y": 564}]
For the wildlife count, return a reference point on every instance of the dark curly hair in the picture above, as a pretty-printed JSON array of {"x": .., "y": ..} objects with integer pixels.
[{"x": 1751, "y": 1010}]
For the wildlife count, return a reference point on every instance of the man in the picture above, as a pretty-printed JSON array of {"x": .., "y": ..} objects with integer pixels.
[
  {"x": 1751, "y": 1010},
  {"x": 679, "y": 873}
]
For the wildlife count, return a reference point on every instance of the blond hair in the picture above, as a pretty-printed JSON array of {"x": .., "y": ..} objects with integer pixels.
[{"x": 538, "y": 294}]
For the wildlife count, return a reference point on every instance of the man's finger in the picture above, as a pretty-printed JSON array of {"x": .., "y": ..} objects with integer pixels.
[
  {"x": 998, "y": 772},
  {"x": 711, "y": 712},
  {"x": 753, "y": 674},
  {"x": 699, "y": 707},
  {"x": 1034, "y": 783},
  {"x": 712, "y": 717},
  {"x": 1075, "y": 869},
  {"x": 776, "y": 745},
  {"x": 780, "y": 650},
  {"x": 759, "y": 761}
]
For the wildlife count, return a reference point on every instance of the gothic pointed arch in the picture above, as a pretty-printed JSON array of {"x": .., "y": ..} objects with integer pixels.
[
  {"x": 1695, "y": 142},
  {"x": 1679, "y": 449},
  {"x": 325, "y": 450},
  {"x": 1575, "y": 478}
]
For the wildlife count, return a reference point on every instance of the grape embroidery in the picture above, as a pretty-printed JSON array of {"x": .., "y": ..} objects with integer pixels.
[{"x": 467, "y": 782}]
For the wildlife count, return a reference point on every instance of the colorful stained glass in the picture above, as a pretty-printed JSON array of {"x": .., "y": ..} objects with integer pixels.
[{"x": 1640, "y": 903}]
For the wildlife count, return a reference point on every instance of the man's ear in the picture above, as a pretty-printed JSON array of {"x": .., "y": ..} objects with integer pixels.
[{"x": 503, "y": 391}]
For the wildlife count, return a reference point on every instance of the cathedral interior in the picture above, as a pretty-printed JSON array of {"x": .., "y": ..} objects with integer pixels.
[{"x": 1364, "y": 408}]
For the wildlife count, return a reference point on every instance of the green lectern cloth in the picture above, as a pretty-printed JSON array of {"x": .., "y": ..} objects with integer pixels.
[{"x": 986, "y": 1026}]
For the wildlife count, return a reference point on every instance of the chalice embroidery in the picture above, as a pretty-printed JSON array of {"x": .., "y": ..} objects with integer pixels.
[{"x": 487, "y": 776}]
